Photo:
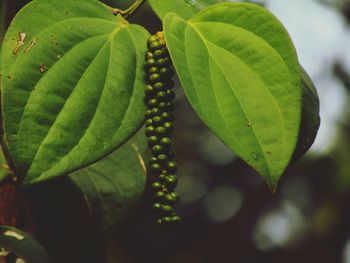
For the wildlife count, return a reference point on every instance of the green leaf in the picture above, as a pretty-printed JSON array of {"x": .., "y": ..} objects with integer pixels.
[
  {"x": 310, "y": 121},
  {"x": 73, "y": 93},
  {"x": 184, "y": 8},
  {"x": 240, "y": 71},
  {"x": 113, "y": 186},
  {"x": 23, "y": 245}
]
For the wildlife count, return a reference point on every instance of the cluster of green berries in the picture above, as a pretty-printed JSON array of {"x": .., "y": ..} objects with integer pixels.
[{"x": 159, "y": 96}]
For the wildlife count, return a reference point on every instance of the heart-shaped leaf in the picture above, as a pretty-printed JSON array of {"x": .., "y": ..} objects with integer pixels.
[
  {"x": 184, "y": 8},
  {"x": 72, "y": 85},
  {"x": 240, "y": 71},
  {"x": 113, "y": 186}
]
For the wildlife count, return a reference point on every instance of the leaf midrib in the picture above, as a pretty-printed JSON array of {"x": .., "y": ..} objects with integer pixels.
[{"x": 206, "y": 42}]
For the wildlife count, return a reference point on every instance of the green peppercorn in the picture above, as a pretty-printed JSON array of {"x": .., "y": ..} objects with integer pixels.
[
  {"x": 162, "y": 158},
  {"x": 153, "y": 46},
  {"x": 167, "y": 209},
  {"x": 176, "y": 219},
  {"x": 149, "y": 122},
  {"x": 154, "y": 78},
  {"x": 152, "y": 140},
  {"x": 171, "y": 199},
  {"x": 148, "y": 55},
  {"x": 166, "y": 106},
  {"x": 162, "y": 96},
  {"x": 159, "y": 86},
  {"x": 161, "y": 131},
  {"x": 168, "y": 127},
  {"x": 161, "y": 62},
  {"x": 166, "y": 72},
  {"x": 157, "y": 186},
  {"x": 156, "y": 168},
  {"x": 170, "y": 181},
  {"x": 160, "y": 53},
  {"x": 153, "y": 160},
  {"x": 150, "y": 130},
  {"x": 150, "y": 63},
  {"x": 153, "y": 70},
  {"x": 159, "y": 196},
  {"x": 157, "y": 120},
  {"x": 157, "y": 207},
  {"x": 172, "y": 167},
  {"x": 152, "y": 103},
  {"x": 154, "y": 112},
  {"x": 158, "y": 149},
  {"x": 151, "y": 39},
  {"x": 170, "y": 95},
  {"x": 166, "y": 142},
  {"x": 166, "y": 219},
  {"x": 167, "y": 116},
  {"x": 149, "y": 90}
]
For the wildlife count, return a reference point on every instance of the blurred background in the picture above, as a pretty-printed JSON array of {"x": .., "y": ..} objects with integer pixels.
[{"x": 229, "y": 213}]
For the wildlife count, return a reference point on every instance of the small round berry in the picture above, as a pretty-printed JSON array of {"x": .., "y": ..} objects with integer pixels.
[
  {"x": 150, "y": 63},
  {"x": 171, "y": 199},
  {"x": 148, "y": 55},
  {"x": 152, "y": 103},
  {"x": 172, "y": 167},
  {"x": 168, "y": 126},
  {"x": 156, "y": 186},
  {"x": 153, "y": 70},
  {"x": 166, "y": 106},
  {"x": 152, "y": 140},
  {"x": 159, "y": 86},
  {"x": 157, "y": 120},
  {"x": 166, "y": 72},
  {"x": 153, "y": 160},
  {"x": 161, "y": 62},
  {"x": 155, "y": 45},
  {"x": 154, "y": 78},
  {"x": 167, "y": 116},
  {"x": 176, "y": 219},
  {"x": 157, "y": 207},
  {"x": 149, "y": 90},
  {"x": 150, "y": 130},
  {"x": 162, "y": 158},
  {"x": 151, "y": 39},
  {"x": 166, "y": 219},
  {"x": 167, "y": 209},
  {"x": 170, "y": 181},
  {"x": 148, "y": 122},
  {"x": 167, "y": 61},
  {"x": 154, "y": 112},
  {"x": 170, "y": 95},
  {"x": 162, "y": 96},
  {"x": 158, "y": 149},
  {"x": 160, "y": 53},
  {"x": 161, "y": 131},
  {"x": 166, "y": 142},
  {"x": 160, "y": 196},
  {"x": 155, "y": 168}
]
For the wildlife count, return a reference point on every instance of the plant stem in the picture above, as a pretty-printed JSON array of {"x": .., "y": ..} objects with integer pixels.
[{"x": 131, "y": 10}]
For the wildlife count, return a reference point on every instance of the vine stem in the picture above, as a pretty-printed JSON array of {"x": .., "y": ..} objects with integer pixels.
[{"x": 131, "y": 10}]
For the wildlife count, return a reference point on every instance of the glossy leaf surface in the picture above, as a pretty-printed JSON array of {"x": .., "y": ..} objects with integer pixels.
[
  {"x": 240, "y": 71},
  {"x": 72, "y": 85}
]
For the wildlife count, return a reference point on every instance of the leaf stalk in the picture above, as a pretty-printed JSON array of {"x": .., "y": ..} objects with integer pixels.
[{"x": 131, "y": 10}]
